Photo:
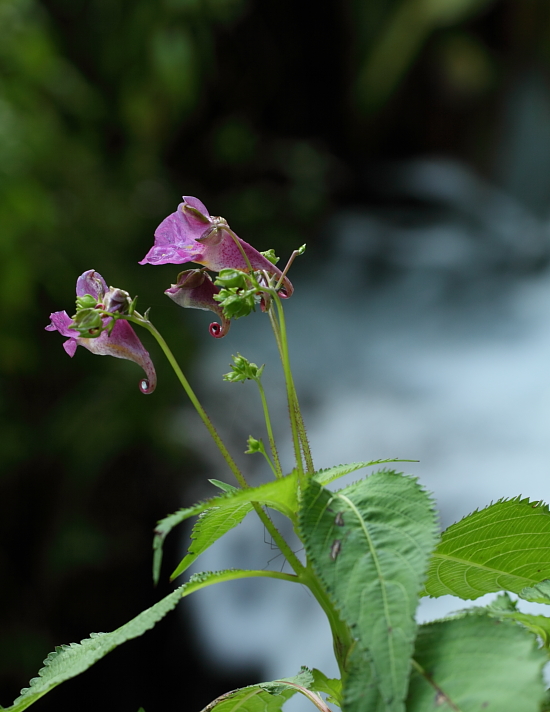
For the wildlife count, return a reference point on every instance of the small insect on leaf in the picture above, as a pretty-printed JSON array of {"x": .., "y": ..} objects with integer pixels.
[
  {"x": 339, "y": 519},
  {"x": 335, "y": 549}
]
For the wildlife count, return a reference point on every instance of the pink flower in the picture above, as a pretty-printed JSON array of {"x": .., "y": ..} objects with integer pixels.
[
  {"x": 121, "y": 341},
  {"x": 194, "y": 289},
  {"x": 192, "y": 235}
]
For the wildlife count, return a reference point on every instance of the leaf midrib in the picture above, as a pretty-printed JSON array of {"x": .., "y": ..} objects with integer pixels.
[
  {"x": 382, "y": 585},
  {"x": 476, "y": 565}
]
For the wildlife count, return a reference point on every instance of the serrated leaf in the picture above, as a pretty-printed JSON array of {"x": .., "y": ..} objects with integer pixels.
[
  {"x": 369, "y": 545},
  {"x": 360, "y": 689},
  {"x": 264, "y": 697},
  {"x": 331, "y": 686},
  {"x": 280, "y": 495},
  {"x": 505, "y": 546},
  {"x": 474, "y": 663},
  {"x": 211, "y": 526},
  {"x": 539, "y": 593},
  {"x": 324, "y": 477},
  {"x": 504, "y": 608},
  {"x": 70, "y": 660}
]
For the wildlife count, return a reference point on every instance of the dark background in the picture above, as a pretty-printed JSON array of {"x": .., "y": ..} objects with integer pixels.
[{"x": 276, "y": 114}]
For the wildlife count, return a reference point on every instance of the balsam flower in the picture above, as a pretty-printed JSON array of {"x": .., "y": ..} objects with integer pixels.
[
  {"x": 192, "y": 235},
  {"x": 194, "y": 289},
  {"x": 119, "y": 341}
]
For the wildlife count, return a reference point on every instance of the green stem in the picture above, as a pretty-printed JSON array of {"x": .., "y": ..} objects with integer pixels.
[
  {"x": 303, "y": 437},
  {"x": 193, "y": 398},
  {"x": 272, "y": 444},
  {"x": 305, "y": 575},
  {"x": 262, "y": 451},
  {"x": 279, "y": 329},
  {"x": 291, "y": 389},
  {"x": 266, "y": 521},
  {"x": 341, "y": 634},
  {"x": 280, "y": 541},
  {"x": 312, "y": 696}
]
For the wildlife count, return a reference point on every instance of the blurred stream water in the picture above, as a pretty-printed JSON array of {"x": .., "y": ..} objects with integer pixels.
[{"x": 446, "y": 360}]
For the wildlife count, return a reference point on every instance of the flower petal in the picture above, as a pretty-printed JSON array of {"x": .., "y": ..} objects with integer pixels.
[
  {"x": 195, "y": 290},
  {"x": 192, "y": 235},
  {"x": 175, "y": 239},
  {"x": 91, "y": 282},
  {"x": 70, "y": 346},
  {"x": 196, "y": 203},
  {"x": 221, "y": 252},
  {"x": 122, "y": 342},
  {"x": 61, "y": 321}
]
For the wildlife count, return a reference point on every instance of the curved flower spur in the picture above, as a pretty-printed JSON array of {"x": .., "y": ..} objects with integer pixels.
[
  {"x": 109, "y": 335},
  {"x": 194, "y": 289}
]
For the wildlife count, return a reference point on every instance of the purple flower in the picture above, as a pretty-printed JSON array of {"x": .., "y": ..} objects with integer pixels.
[
  {"x": 196, "y": 290},
  {"x": 120, "y": 342},
  {"x": 192, "y": 235}
]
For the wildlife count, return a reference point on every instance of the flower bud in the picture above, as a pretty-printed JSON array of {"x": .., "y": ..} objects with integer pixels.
[
  {"x": 117, "y": 301},
  {"x": 254, "y": 446},
  {"x": 194, "y": 289},
  {"x": 86, "y": 302},
  {"x": 231, "y": 278}
]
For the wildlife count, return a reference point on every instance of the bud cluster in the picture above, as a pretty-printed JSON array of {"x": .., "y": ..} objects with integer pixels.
[
  {"x": 243, "y": 370},
  {"x": 97, "y": 314}
]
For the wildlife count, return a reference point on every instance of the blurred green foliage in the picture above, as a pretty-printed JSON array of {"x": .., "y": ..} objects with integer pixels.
[{"x": 109, "y": 111}]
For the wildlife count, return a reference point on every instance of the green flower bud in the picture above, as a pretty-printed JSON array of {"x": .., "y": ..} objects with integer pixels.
[
  {"x": 254, "y": 446},
  {"x": 236, "y": 303},
  {"x": 88, "y": 322},
  {"x": 85, "y": 302},
  {"x": 271, "y": 256},
  {"x": 231, "y": 278},
  {"x": 242, "y": 370}
]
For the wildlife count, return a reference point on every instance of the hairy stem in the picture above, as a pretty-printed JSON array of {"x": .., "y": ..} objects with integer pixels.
[
  {"x": 341, "y": 635},
  {"x": 280, "y": 337},
  {"x": 266, "y": 521},
  {"x": 272, "y": 444},
  {"x": 294, "y": 406}
]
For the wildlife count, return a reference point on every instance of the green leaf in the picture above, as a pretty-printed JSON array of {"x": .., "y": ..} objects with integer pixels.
[
  {"x": 323, "y": 477},
  {"x": 279, "y": 494},
  {"x": 70, "y": 660},
  {"x": 474, "y": 663},
  {"x": 211, "y": 526},
  {"x": 265, "y": 697},
  {"x": 332, "y": 687},
  {"x": 504, "y": 608},
  {"x": 223, "y": 486},
  {"x": 360, "y": 689},
  {"x": 369, "y": 545},
  {"x": 505, "y": 546},
  {"x": 539, "y": 593}
]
